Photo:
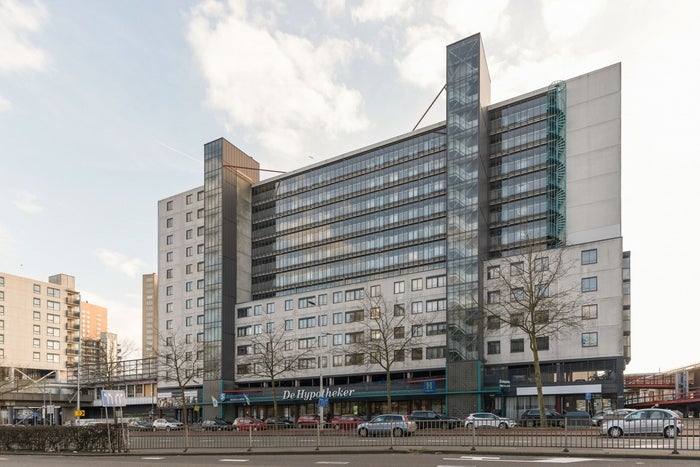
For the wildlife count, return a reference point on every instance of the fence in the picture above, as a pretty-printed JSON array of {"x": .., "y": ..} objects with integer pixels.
[{"x": 655, "y": 435}]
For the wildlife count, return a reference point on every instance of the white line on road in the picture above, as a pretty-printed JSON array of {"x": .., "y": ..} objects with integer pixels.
[
  {"x": 551, "y": 460},
  {"x": 332, "y": 463},
  {"x": 152, "y": 458},
  {"x": 233, "y": 460}
]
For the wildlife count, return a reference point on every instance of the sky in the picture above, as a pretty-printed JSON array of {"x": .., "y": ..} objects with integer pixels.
[{"x": 105, "y": 108}]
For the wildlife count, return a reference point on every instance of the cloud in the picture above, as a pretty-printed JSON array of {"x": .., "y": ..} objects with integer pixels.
[
  {"x": 330, "y": 7},
  {"x": 25, "y": 201},
  {"x": 564, "y": 19},
  {"x": 281, "y": 88},
  {"x": 373, "y": 10},
  {"x": 132, "y": 267},
  {"x": 5, "y": 105},
  {"x": 16, "y": 53}
]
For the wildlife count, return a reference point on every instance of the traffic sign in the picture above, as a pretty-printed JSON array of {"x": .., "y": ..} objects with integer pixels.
[
  {"x": 79, "y": 413},
  {"x": 323, "y": 402}
]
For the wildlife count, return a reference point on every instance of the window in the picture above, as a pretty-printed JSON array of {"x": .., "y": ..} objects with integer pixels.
[
  {"x": 270, "y": 308},
  {"x": 36, "y": 343},
  {"x": 169, "y": 222},
  {"x": 200, "y": 319},
  {"x": 435, "y": 329},
  {"x": 305, "y": 323},
  {"x": 188, "y": 199},
  {"x": 36, "y": 356},
  {"x": 434, "y": 352},
  {"x": 200, "y": 301},
  {"x": 541, "y": 316},
  {"x": 417, "y": 284},
  {"x": 354, "y": 316},
  {"x": 188, "y": 321},
  {"x": 517, "y": 293},
  {"x": 417, "y": 353},
  {"x": 416, "y": 307},
  {"x": 353, "y": 295},
  {"x": 589, "y": 256},
  {"x": 188, "y": 269},
  {"x": 399, "y": 287},
  {"x": 169, "y": 324},
  {"x": 493, "y": 347},
  {"x": 541, "y": 264},
  {"x": 36, "y": 288},
  {"x": 435, "y": 305},
  {"x": 399, "y": 355},
  {"x": 517, "y": 345},
  {"x": 244, "y": 331},
  {"x": 169, "y": 257},
  {"x": 417, "y": 330},
  {"x": 307, "y": 302},
  {"x": 200, "y": 266},
  {"x": 200, "y": 213},
  {"x": 189, "y": 286},
  {"x": 168, "y": 273},
  {"x": 168, "y": 307},
  {"x": 493, "y": 322},
  {"x": 399, "y": 309},
  {"x": 270, "y": 327},
  {"x": 542, "y": 290},
  {"x": 306, "y": 363},
  {"x": 493, "y": 272},
  {"x": 516, "y": 268},
  {"x": 188, "y": 304},
  {"x": 2, "y": 310},
  {"x": 36, "y": 329},
  {"x": 53, "y": 358},
  {"x": 516, "y": 319},
  {"x": 2, "y": 281},
  {"x": 589, "y": 339},
  {"x": 169, "y": 206},
  {"x": 257, "y": 329},
  {"x": 435, "y": 282},
  {"x": 307, "y": 343},
  {"x": 37, "y": 315},
  {"x": 589, "y": 284},
  {"x": 337, "y": 318},
  {"x": 200, "y": 231},
  {"x": 200, "y": 337},
  {"x": 288, "y": 305},
  {"x": 53, "y": 345},
  {"x": 169, "y": 290},
  {"x": 355, "y": 337},
  {"x": 188, "y": 251},
  {"x": 337, "y": 339},
  {"x": 543, "y": 343},
  {"x": 51, "y": 292},
  {"x": 337, "y": 360},
  {"x": 323, "y": 320},
  {"x": 493, "y": 296},
  {"x": 399, "y": 332},
  {"x": 244, "y": 312},
  {"x": 375, "y": 291},
  {"x": 52, "y": 318},
  {"x": 288, "y": 324},
  {"x": 257, "y": 310},
  {"x": 337, "y": 297},
  {"x": 589, "y": 312},
  {"x": 169, "y": 239},
  {"x": 200, "y": 195},
  {"x": 188, "y": 234},
  {"x": 354, "y": 359},
  {"x": 323, "y": 299},
  {"x": 188, "y": 216},
  {"x": 375, "y": 312}
]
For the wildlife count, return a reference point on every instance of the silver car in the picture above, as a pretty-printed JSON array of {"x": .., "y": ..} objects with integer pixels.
[
  {"x": 166, "y": 424},
  {"x": 642, "y": 422},
  {"x": 488, "y": 420},
  {"x": 387, "y": 424}
]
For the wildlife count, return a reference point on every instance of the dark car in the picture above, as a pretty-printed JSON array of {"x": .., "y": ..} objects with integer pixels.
[
  {"x": 308, "y": 421},
  {"x": 346, "y": 422},
  {"x": 431, "y": 419},
  {"x": 279, "y": 422},
  {"x": 140, "y": 425},
  {"x": 531, "y": 417},
  {"x": 577, "y": 418},
  {"x": 216, "y": 424}
]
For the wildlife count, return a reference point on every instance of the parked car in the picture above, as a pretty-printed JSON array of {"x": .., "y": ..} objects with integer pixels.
[
  {"x": 431, "y": 419},
  {"x": 488, "y": 420},
  {"x": 346, "y": 422},
  {"x": 217, "y": 424},
  {"x": 307, "y": 421},
  {"x": 249, "y": 423},
  {"x": 644, "y": 421},
  {"x": 166, "y": 424},
  {"x": 601, "y": 415},
  {"x": 387, "y": 425},
  {"x": 140, "y": 425},
  {"x": 531, "y": 417},
  {"x": 279, "y": 422}
]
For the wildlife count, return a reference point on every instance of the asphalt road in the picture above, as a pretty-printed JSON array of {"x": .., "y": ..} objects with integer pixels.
[{"x": 322, "y": 460}]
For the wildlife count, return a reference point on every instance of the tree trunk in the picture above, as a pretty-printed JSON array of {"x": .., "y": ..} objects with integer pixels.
[
  {"x": 274, "y": 403},
  {"x": 184, "y": 419},
  {"x": 538, "y": 381},
  {"x": 388, "y": 391}
]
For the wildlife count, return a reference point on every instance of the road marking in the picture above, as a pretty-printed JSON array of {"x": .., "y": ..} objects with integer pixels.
[
  {"x": 551, "y": 460},
  {"x": 332, "y": 463},
  {"x": 233, "y": 460},
  {"x": 152, "y": 458}
]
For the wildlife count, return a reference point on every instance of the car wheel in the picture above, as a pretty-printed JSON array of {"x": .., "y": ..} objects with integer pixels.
[
  {"x": 615, "y": 432},
  {"x": 502, "y": 426},
  {"x": 337, "y": 427},
  {"x": 167, "y": 428},
  {"x": 397, "y": 433},
  {"x": 529, "y": 423},
  {"x": 363, "y": 432},
  {"x": 670, "y": 432},
  {"x": 154, "y": 428},
  {"x": 470, "y": 426}
]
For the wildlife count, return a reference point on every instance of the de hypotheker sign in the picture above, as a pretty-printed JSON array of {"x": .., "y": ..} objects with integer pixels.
[{"x": 306, "y": 395}]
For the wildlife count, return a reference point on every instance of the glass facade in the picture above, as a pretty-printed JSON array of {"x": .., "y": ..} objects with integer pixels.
[{"x": 353, "y": 219}]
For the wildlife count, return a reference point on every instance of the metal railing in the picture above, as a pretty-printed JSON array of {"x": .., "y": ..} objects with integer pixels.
[{"x": 564, "y": 435}]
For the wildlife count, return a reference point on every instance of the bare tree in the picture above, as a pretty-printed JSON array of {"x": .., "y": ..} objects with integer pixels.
[
  {"x": 272, "y": 355},
  {"x": 180, "y": 362},
  {"x": 387, "y": 335},
  {"x": 538, "y": 302}
]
